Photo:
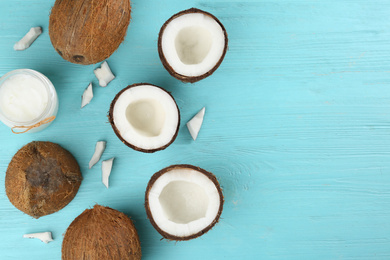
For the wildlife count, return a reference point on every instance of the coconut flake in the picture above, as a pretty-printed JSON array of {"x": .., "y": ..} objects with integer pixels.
[
  {"x": 195, "y": 123},
  {"x": 99, "y": 149},
  {"x": 28, "y": 39},
  {"x": 43, "y": 236},
  {"x": 104, "y": 74},
  {"x": 106, "y": 170},
  {"x": 87, "y": 96}
]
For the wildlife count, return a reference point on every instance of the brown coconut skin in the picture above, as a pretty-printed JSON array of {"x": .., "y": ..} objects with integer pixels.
[
  {"x": 42, "y": 178},
  {"x": 183, "y": 166},
  {"x": 184, "y": 78},
  {"x": 101, "y": 233},
  {"x": 88, "y": 31},
  {"x": 111, "y": 120}
]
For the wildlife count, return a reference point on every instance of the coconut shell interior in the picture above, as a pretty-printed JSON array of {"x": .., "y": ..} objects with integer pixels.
[
  {"x": 88, "y": 31},
  {"x": 183, "y": 166},
  {"x": 42, "y": 178},
  {"x": 101, "y": 233},
  {"x": 164, "y": 61},
  {"x": 111, "y": 120}
]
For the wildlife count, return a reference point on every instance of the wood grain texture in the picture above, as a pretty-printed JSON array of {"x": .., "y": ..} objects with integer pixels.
[{"x": 297, "y": 129}]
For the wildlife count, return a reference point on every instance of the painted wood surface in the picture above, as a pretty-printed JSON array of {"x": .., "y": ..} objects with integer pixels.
[{"x": 297, "y": 129}]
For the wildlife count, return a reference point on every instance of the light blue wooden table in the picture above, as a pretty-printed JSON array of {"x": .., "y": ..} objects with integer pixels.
[{"x": 297, "y": 129}]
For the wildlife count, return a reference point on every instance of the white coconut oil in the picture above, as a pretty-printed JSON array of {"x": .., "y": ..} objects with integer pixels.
[{"x": 28, "y": 100}]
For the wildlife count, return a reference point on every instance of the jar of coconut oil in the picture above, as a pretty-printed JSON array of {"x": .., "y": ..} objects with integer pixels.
[{"x": 28, "y": 101}]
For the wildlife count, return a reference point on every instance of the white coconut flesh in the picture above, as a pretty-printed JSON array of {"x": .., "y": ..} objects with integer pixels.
[
  {"x": 146, "y": 116},
  {"x": 193, "y": 44},
  {"x": 183, "y": 202}
]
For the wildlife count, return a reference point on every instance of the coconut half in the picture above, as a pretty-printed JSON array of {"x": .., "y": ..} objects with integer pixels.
[
  {"x": 145, "y": 117},
  {"x": 183, "y": 201},
  {"x": 192, "y": 45}
]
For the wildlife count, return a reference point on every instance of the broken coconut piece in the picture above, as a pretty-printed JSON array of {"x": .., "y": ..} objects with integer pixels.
[
  {"x": 145, "y": 117},
  {"x": 192, "y": 45},
  {"x": 106, "y": 170},
  {"x": 45, "y": 237},
  {"x": 104, "y": 74},
  {"x": 42, "y": 178},
  {"x": 101, "y": 233},
  {"x": 87, "y": 96},
  {"x": 195, "y": 123},
  {"x": 99, "y": 149},
  {"x": 28, "y": 39},
  {"x": 183, "y": 202}
]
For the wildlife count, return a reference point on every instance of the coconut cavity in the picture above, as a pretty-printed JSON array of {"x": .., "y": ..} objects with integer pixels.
[
  {"x": 145, "y": 117},
  {"x": 183, "y": 201},
  {"x": 192, "y": 44}
]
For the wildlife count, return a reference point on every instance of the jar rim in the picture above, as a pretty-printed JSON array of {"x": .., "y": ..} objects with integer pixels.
[{"x": 49, "y": 89}]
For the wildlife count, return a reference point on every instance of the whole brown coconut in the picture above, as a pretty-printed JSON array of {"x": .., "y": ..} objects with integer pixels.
[
  {"x": 88, "y": 31},
  {"x": 42, "y": 178},
  {"x": 101, "y": 233}
]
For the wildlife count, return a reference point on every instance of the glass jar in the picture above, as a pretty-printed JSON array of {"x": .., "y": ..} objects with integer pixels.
[{"x": 28, "y": 101}]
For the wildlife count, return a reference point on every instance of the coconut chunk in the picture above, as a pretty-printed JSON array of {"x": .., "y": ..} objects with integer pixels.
[
  {"x": 195, "y": 123},
  {"x": 104, "y": 74},
  {"x": 99, "y": 149},
  {"x": 28, "y": 39},
  {"x": 106, "y": 170},
  {"x": 45, "y": 237},
  {"x": 87, "y": 96}
]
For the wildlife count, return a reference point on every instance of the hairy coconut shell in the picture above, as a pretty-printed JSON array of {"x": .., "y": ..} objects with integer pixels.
[
  {"x": 183, "y": 166},
  {"x": 42, "y": 178},
  {"x": 117, "y": 132},
  {"x": 88, "y": 31},
  {"x": 167, "y": 66},
  {"x": 101, "y": 233}
]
